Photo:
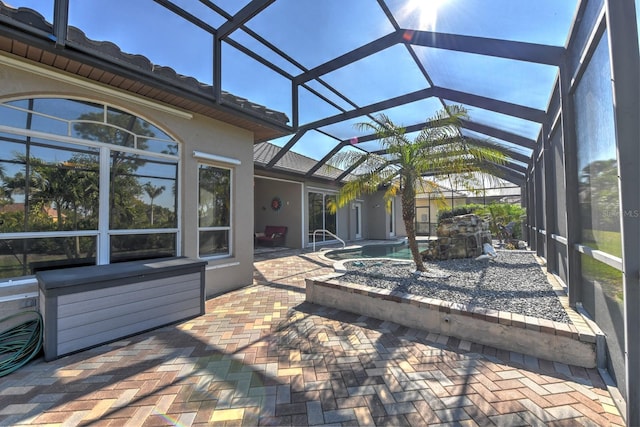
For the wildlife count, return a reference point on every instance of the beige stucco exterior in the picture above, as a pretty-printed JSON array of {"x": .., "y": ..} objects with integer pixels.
[
  {"x": 294, "y": 194},
  {"x": 290, "y": 213},
  {"x": 251, "y": 195},
  {"x": 194, "y": 133}
]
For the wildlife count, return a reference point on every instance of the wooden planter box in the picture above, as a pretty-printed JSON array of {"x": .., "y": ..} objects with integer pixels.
[{"x": 84, "y": 307}]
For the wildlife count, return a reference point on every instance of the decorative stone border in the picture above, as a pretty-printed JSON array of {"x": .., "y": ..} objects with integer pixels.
[{"x": 572, "y": 344}]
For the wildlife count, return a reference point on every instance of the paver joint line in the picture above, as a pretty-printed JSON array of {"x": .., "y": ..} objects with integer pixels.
[{"x": 262, "y": 355}]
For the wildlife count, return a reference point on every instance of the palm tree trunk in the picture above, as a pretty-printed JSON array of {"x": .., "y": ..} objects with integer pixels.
[
  {"x": 409, "y": 218},
  {"x": 413, "y": 245}
]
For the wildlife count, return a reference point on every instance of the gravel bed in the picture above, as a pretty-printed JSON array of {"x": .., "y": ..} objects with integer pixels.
[{"x": 513, "y": 282}]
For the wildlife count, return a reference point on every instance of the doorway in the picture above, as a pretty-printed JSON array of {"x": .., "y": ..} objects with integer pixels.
[{"x": 320, "y": 216}]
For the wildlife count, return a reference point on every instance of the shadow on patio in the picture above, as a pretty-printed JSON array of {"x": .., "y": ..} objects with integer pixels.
[{"x": 263, "y": 356}]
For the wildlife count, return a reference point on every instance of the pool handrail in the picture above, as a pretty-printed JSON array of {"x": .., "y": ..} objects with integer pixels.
[{"x": 327, "y": 232}]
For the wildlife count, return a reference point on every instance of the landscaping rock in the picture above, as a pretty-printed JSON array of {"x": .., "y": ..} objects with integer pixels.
[
  {"x": 459, "y": 237},
  {"x": 514, "y": 282}
]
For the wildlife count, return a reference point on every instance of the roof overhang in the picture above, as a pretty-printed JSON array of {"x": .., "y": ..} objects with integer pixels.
[{"x": 105, "y": 64}]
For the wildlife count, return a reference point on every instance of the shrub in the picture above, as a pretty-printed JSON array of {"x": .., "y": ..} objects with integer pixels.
[
  {"x": 503, "y": 214},
  {"x": 496, "y": 213},
  {"x": 459, "y": 210}
]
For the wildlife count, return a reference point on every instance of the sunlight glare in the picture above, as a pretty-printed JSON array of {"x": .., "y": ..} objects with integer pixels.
[{"x": 423, "y": 13}]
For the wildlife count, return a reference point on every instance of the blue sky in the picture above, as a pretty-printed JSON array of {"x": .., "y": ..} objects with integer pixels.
[{"x": 313, "y": 32}]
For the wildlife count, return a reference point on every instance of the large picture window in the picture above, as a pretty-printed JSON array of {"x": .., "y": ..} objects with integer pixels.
[
  {"x": 214, "y": 211},
  {"x": 83, "y": 183}
]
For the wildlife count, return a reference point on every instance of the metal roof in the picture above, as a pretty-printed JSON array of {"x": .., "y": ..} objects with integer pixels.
[
  {"x": 291, "y": 162},
  {"x": 318, "y": 68}
]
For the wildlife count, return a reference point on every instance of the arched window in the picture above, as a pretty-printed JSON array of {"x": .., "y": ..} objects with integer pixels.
[{"x": 83, "y": 183}]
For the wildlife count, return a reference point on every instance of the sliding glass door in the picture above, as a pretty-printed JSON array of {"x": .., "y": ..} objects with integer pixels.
[{"x": 320, "y": 217}]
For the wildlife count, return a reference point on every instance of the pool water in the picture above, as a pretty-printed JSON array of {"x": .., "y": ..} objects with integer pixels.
[{"x": 384, "y": 250}]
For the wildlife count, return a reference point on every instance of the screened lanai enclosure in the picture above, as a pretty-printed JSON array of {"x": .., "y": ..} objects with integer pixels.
[
  {"x": 453, "y": 192},
  {"x": 552, "y": 84}
]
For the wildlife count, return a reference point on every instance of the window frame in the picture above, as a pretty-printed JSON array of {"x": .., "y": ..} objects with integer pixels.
[
  {"x": 325, "y": 193},
  {"x": 228, "y": 166},
  {"x": 102, "y": 233}
]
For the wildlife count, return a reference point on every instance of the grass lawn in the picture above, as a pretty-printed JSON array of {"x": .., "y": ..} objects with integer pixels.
[
  {"x": 609, "y": 278},
  {"x": 605, "y": 241}
]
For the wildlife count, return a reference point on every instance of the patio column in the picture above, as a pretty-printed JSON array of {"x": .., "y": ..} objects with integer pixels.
[
  {"x": 540, "y": 201},
  {"x": 524, "y": 202},
  {"x": 572, "y": 211},
  {"x": 60, "y": 21},
  {"x": 625, "y": 71},
  {"x": 531, "y": 205},
  {"x": 550, "y": 199},
  {"x": 217, "y": 69}
]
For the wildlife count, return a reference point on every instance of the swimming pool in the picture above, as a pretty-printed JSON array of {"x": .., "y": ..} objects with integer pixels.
[{"x": 382, "y": 250}]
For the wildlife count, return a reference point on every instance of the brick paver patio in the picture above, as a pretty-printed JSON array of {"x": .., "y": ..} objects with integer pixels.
[{"x": 263, "y": 356}]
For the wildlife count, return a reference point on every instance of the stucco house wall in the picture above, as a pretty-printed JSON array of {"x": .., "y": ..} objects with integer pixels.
[
  {"x": 198, "y": 133},
  {"x": 295, "y": 209},
  {"x": 378, "y": 221},
  {"x": 291, "y": 210}
]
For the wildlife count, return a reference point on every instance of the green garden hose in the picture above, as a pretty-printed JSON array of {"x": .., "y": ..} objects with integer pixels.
[{"x": 21, "y": 343}]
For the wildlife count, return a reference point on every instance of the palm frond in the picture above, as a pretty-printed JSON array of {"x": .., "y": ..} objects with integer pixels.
[
  {"x": 443, "y": 124},
  {"x": 366, "y": 183},
  {"x": 439, "y": 149}
]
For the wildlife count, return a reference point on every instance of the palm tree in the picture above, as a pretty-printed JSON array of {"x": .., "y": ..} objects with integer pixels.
[
  {"x": 152, "y": 192},
  {"x": 438, "y": 149}
]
